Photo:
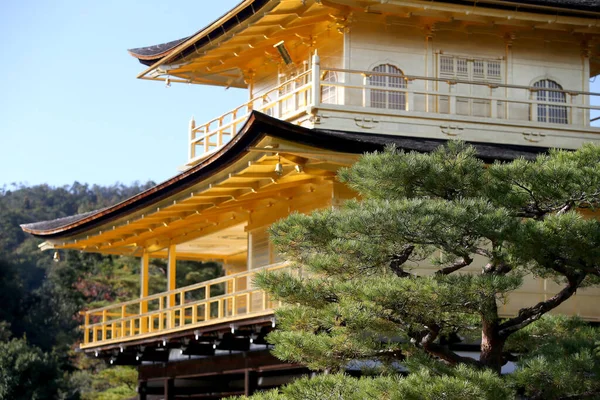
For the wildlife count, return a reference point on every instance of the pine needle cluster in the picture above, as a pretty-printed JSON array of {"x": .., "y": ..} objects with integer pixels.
[{"x": 366, "y": 297}]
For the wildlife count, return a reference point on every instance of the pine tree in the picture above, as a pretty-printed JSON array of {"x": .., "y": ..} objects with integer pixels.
[{"x": 354, "y": 293}]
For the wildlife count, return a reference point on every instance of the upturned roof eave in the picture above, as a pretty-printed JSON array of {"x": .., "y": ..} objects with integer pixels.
[
  {"x": 167, "y": 55},
  {"x": 257, "y": 127},
  {"x": 169, "y": 51},
  {"x": 230, "y": 152}
]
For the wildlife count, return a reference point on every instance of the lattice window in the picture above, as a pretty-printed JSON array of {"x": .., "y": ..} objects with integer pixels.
[
  {"x": 447, "y": 65},
  {"x": 494, "y": 70},
  {"x": 546, "y": 112},
  {"x": 329, "y": 93},
  {"x": 479, "y": 69},
  {"x": 462, "y": 67},
  {"x": 475, "y": 69},
  {"x": 385, "y": 98}
]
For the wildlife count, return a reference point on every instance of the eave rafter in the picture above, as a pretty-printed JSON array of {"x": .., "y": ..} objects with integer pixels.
[
  {"x": 215, "y": 207},
  {"x": 245, "y": 48}
]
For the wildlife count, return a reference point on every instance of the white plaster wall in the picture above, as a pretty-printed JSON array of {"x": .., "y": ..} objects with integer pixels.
[{"x": 523, "y": 63}]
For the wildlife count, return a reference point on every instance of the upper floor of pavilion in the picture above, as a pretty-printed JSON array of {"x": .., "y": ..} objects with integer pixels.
[{"x": 485, "y": 71}]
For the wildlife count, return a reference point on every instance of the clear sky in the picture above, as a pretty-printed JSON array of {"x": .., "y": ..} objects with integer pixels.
[{"x": 70, "y": 106}]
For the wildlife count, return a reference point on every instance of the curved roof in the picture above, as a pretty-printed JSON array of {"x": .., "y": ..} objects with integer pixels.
[
  {"x": 151, "y": 54},
  {"x": 256, "y": 128}
]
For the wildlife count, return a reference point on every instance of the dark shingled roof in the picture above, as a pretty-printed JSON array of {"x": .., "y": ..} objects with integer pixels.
[
  {"x": 151, "y": 54},
  {"x": 583, "y": 5},
  {"x": 157, "y": 49},
  {"x": 256, "y": 127},
  {"x": 57, "y": 223}
]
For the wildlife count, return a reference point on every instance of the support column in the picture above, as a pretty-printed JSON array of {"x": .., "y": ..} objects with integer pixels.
[
  {"x": 316, "y": 80},
  {"x": 586, "y": 53},
  {"x": 142, "y": 390},
  {"x": 192, "y": 132},
  {"x": 429, "y": 69},
  {"x": 169, "y": 393},
  {"x": 250, "y": 382},
  {"x": 171, "y": 283},
  {"x": 144, "y": 267},
  {"x": 509, "y": 39},
  {"x": 144, "y": 264}
]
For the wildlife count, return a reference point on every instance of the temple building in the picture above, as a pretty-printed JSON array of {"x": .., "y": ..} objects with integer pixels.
[{"x": 327, "y": 80}]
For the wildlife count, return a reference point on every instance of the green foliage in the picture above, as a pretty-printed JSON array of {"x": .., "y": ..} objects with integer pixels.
[
  {"x": 558, "y": 358},
  {"x": 462, "y": 383},
  {"x": 355, "y": 291},
  {"x": 41, "y": 299},
  {"x": 113, "y": 383},
  {"x": 27, "y": 373}
]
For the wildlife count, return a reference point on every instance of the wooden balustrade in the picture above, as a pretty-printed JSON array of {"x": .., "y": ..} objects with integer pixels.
[
  {"x": 202, "y": 304},
  {"x": 419, "y": 94},
  {"x": 283, "y": 101}
]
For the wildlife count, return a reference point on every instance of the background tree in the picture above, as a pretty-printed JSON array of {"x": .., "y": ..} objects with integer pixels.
[
  {"x": 484, "y": 228},
  {"x": 41, "y": 299}
]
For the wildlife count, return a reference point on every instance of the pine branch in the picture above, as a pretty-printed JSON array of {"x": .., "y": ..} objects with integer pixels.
[
  {"x": 592, "y": 394},
  {"x": 531, "y": 314},
  {"x": 398, "y": 261},
  {"x": 442, "y": 352},
  {"x": 463, "y": 262}
]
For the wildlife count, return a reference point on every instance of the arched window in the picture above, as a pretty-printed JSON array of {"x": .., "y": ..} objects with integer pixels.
[
  {"x": 329, "y": 93},
  {"x": 546, "y": 112},
  {"x": 386, "y": 98}
]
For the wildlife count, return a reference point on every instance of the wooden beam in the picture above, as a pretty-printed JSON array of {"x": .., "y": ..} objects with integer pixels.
[
  {"x": 144, "y": 266},
  {"x": 250, "y": 381},
  {"x": 171, "y": 273},
  {"x": 169, "y": 393},
  {"x": 144, "y": 270}
]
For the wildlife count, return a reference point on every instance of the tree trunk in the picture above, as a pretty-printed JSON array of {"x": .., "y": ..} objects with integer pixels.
[{"x": 492, "y": 346}]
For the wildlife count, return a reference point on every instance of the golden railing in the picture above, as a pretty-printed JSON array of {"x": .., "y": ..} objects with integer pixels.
[
  {"x": 219, "y": 300},
  {"x": 283, "y": 101},
  {"x": 443, "y": 96},
  {"x": 348, "y": 90}
]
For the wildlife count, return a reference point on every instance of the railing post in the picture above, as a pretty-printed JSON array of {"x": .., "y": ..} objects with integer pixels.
[
  {"x": 144, "y": 265},
  {"x": 316, "y": 80},
  {"x": 573, "y": 111},
  {"x": 207, "y": 303},
  {"x": 451, "y": 99},
  {"x": 533, "y": 107},
  {"x": 171, "y": 285},
  {"x": 192, "y": 149},
  {"x": 494, "y": 108},
  {"x": 86, "y": 329},
  {"x": 233, "y": 128},
  {"x": 182, "y": 308},
  {"x": 195, "y": 314},
  {"x": 364, "y": 90},
  {"x": 410, "y": 100},
  {"x": 161, "y": 319},
  {"x": 123, "y": 322},
  {"x": 104, "y": 317},
  {"x": 233, "y": 301}
]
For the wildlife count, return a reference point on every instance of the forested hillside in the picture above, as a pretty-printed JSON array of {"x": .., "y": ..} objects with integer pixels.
[{"x": 40, "y": 299}]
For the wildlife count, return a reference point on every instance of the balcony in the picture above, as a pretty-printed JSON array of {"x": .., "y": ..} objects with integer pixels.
[
  {"x": 217, "y": 301},
  {"x": 417, "y": 106}
]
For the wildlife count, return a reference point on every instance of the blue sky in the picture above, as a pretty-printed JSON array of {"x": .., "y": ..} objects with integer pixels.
[{"x": 70, "y": 106}]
